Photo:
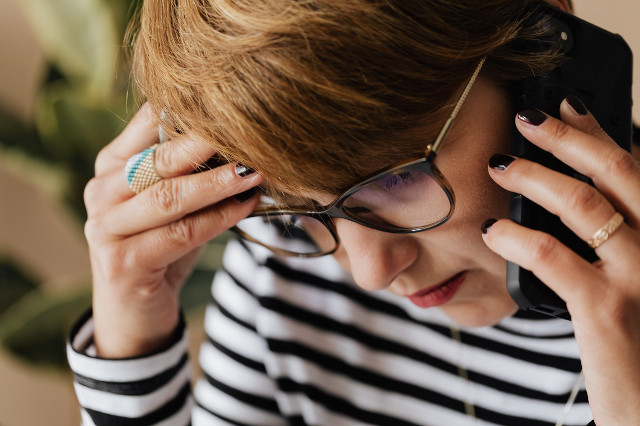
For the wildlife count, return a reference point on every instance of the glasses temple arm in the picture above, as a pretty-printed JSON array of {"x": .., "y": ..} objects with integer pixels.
[{"x": 456, "y": 109}]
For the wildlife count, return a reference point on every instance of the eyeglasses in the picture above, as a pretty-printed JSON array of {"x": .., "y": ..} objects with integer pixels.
[{"x": 411, "y": 196}]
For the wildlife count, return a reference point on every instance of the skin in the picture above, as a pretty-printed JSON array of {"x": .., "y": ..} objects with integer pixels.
[
  {"x": 603, "y": 298},
  {"x": 406, "y": 263},
  {"x": 144, "y": 246}
]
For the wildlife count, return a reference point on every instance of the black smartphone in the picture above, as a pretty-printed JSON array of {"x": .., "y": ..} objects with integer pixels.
[{"x": 597, "y": 68}]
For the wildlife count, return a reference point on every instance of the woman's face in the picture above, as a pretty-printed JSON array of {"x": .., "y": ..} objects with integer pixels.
[{"x": 448, "y": 266}]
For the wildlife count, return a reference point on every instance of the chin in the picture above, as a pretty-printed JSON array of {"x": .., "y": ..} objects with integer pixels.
[{"x": 478, "y": 314}]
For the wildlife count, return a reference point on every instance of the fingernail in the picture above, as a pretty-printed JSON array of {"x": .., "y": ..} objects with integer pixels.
[
  {"x": 532, "y": 116},
  {"x": 487, "y": 224},
  {"x": 576, "y": 104},
  {"x": 246, "y": 195},
  {"x": 500, "y": 161},
  {"x": 243, "y": 171}
]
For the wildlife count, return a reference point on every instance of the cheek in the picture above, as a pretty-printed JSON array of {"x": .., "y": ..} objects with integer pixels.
[
  {"x": 481, "y": 198},
  {"x": 478, "y": 197}
]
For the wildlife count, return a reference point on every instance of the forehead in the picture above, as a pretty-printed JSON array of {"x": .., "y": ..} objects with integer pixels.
[{"x": 402, "y": 145}]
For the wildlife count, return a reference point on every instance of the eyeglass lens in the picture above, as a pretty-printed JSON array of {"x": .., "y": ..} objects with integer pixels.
[
  {"x": 408, "y": 199},
  {"x": 292, "y": 233}
]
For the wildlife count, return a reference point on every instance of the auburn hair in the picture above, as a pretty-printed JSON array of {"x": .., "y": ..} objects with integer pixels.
[{"x": 315, "y": 95}]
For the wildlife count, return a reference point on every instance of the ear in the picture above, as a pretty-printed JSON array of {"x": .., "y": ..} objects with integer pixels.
[{"x": 564, "y": 5}]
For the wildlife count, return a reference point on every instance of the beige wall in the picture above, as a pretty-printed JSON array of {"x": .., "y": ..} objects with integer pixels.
[{"x": 21, "y": 61}]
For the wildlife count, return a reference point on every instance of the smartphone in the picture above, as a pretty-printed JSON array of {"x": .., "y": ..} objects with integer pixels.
[{"x": 597, "y": 67}]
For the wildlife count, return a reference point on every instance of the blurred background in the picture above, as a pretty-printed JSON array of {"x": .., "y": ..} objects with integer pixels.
[{"x": 65, "y": 92}]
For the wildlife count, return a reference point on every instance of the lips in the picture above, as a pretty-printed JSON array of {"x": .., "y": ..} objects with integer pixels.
[{"x": 439, "y": 293}]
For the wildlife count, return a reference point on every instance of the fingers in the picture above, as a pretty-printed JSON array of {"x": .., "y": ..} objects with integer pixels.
[
  {"x": 171, "y": 199},
  {"x": 115, "y": 212},
  {"x": 580, "y": 142},
  {"x": 181, "y": 156},
  {"x": 143, "y": 245},
  {"x": 580, "y": 206},
  {"x": 166, "y": 244},
  {"x": 140, "y": 133},
  {"x": 552, "y": 262},
  {"x": 171, "y": 158},
  {"x": 105, "y": 191}
]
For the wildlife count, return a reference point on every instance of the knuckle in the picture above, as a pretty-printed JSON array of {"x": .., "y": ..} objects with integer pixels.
[
  {"x": 596, "y": 130},
  {"x": 543, "y": 247},
  {"x": 101, "y": 159},
  {"x": 584, "y": 198},
  {"x": 560, "y": 132},
  {"x": 94, "y": 231},
  {"x": 90, "y": 230},
  {"x": 164, "y": 196},
  {"x": 91, "y": 191},
  {"x": 163, "y": 161},
  {"x": 225, "y": 216},
  {"x": 181, "y": 232},
  {"x": 120, "y": 262},
  {"x": 219, "y": 179},
  {"x": 620, "y": 162},
  {"x": 524, "y": 170}
]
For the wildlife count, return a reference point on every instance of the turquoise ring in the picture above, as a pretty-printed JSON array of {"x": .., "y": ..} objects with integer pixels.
[{"x": 140, "y": 171}]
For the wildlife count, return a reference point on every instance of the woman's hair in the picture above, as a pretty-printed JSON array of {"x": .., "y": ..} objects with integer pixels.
[{"x": 317, "y": 94}]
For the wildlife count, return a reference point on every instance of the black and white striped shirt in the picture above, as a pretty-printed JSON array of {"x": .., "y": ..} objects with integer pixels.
[{"x": 295, "y": 341}]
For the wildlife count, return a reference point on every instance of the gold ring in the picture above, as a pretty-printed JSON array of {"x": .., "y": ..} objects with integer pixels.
[
  {"x": 606, "y": 231},
  {"x": 140, "y": 171}
]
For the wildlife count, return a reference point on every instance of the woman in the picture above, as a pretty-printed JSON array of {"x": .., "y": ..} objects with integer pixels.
[{"x": 315, "y": 96}]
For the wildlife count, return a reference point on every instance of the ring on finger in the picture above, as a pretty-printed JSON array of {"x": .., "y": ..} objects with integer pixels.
[
  {"x": 602, "y": 234},
  {"x": 140, "y": 170}
]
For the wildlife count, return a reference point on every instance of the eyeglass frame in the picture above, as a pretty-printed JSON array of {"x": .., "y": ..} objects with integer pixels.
[{"x": 334, "y": 210}]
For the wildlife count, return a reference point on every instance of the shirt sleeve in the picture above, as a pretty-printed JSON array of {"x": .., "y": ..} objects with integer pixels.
[
  {"x": 234, "y": 386},
  {"x": 149, "y": 390}
]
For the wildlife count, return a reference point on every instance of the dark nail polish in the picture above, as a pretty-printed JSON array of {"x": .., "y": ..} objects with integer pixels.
[
  {"x": 532, "y": 116},
  {"x": 246, "y": 195},
  {"x": 576, "y": 104},
  {"x": 243, "y": 171},
  {"x": 487, "y": 224},
  {"x": 500, "y": 161}
]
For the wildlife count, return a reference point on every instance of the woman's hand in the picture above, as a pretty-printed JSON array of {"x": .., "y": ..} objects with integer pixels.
[
  {"x": 604, "y": 297},
  {"x": 144, "y": 246}
]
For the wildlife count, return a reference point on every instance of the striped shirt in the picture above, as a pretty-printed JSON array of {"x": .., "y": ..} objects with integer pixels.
[{"x": 295, "y": 341}]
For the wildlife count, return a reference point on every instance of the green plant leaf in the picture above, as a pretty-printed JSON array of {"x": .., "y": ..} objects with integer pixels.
[
  {"x": 70, "y": 124},
  {"x": 81, "y": 37},
  {"x": 73, "y": 129},
  {"x": 34, "y": 328},
  {"x": 14, "y": 283}
]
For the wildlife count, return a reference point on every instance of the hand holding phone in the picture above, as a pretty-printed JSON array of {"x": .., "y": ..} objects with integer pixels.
[{"x": 597, "y": 68}]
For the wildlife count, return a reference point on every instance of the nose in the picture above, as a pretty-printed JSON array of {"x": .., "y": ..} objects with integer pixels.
[{"x": 374, "y": 258}]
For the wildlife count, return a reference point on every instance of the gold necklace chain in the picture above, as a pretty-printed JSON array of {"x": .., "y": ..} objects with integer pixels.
[{"x": 469, "y": 408}]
